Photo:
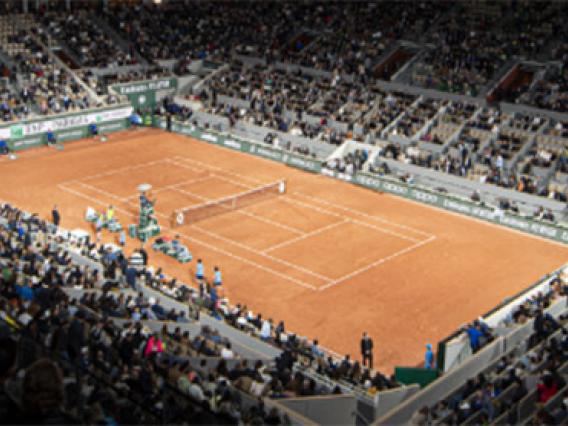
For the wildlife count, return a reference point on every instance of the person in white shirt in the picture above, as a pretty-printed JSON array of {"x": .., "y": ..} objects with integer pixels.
[
  {"x": 265, "y": 330},
  {"x": 499, "y": 162},
  {"x": 227, "y": 352},
  {"x": 195, "y": 390}
]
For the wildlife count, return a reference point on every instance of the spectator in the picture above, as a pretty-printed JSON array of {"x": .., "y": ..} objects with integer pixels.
[
  {"x": 154, "y": 346},
  {"x": 547, "y": 388},
  {"x": 43, "y": 395}
]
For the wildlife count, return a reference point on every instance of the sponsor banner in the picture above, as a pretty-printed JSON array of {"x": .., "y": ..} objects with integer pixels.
[
  {"x": 112, "y": 127},
  {"x": 142, "y": 94},
  {"x": 209, "y": 137},
  {"x": 266, "y": 152},
  {"x": 302, "y": 163},
  {"x": 233, "y": 144},
  {"x": 64, "y": 135},
  {"x": 26, "y": 143},
  {"x": 146, "y": 86},
  {"x": 69, "y": 135},
  {"x": 464, "y": 207},
  {"x": 63, "y": 122}
]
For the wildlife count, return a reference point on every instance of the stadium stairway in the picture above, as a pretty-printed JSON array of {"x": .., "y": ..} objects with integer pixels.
[
  {"x": 63, "y": 52},
  {"x": 63, "y": 65},
  {"x": 6, "y": 60}
]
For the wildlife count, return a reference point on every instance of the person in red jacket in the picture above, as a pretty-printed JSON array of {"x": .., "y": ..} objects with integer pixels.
[
  {"x": 547, "y": 388},
  {"x": 154, "y": 346}
]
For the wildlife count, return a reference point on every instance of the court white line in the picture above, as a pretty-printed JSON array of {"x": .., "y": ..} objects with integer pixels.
[
  {"x": 330, "y": 213},
  {"x": 214, "y": 176},
  {"x": 102, "y": 192},
  {"x": 376, "y": 263},
  {"x": 349, "y": 219},
  {"x": 277, "y": 260},
  {"x": 360, "y": 213},
  {"x": 438, "y": 209},
  {"x": 267, "y": 256},
  {"x": 116, "y": 171},
  {"x": 197, "y": 241},
  {"x": 186, "y": 166},
  {"x": 224, "y": 179},
  {"x": 175, "y": 186},
  {"x": 303, "y": 237},
  {"x": 246, "y": 213},
  {"x": 211, "y": 167},
  {"x": 235, "y": 243},
  {"x": 233, "y": 182}
]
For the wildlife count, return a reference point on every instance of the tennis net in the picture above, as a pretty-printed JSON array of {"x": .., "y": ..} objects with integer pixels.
[{"x": 212, "y": 208}]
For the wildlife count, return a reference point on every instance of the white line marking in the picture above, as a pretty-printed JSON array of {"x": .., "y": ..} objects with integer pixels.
[
  {"x": 224, "y": 179},
  {"x": 438, "y": 209},
  {"x": 103, "y": 192},
  {"x": 211, "y": 167},
  {"x": 116, "y": 171},
  {"x": 175, "y": 186},
  {"x": 236, "y": 243},
  {"x": 185, "y": 166},
  {"x": 328, "y": 280},
  {"x": 303, "y": 237},
  {"x": 347, "y": 218},
  {"x": 319, "y": 209},
  {"x": 209, "y": 246},
  {"x": 233, "y": 182},
  {"x": 376, "y": 263},
  {"x": 259, "y": 253},
  {"x": 246, "y": 213},
  {"x": 360, "y": 213}
]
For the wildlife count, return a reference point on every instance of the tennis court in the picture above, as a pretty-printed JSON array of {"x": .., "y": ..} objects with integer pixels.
[{"x": 330, "y": 259}]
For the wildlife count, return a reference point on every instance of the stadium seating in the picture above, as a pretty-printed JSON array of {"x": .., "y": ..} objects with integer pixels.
[
  {"x": 87, "y": 40},
  {"x": 306, "y": 70},
  {"x": 92, "y": 285}
]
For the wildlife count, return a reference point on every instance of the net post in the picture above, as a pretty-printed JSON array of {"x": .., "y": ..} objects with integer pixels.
[{"x": 173, "y": 219}]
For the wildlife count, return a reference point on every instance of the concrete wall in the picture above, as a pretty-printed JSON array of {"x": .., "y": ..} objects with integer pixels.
[{"x": 325, "y": 410}]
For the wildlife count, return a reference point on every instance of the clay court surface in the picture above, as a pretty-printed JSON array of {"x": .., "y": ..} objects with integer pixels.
[{"x": 329, "y": 258}]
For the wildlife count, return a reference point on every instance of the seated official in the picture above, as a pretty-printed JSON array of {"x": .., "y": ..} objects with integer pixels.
[
  {"x": 93, "y": 129},
  {"x": 4, "y": 147},
  {"x": 51, "y": 139}
]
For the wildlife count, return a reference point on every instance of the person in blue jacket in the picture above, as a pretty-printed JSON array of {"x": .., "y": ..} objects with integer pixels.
[
  {"x": 51, "y": 139},
  {"x": 93, "y": 129},
  {"x": 3, "y": 147},
  {"x": 429, "y": 357}
]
